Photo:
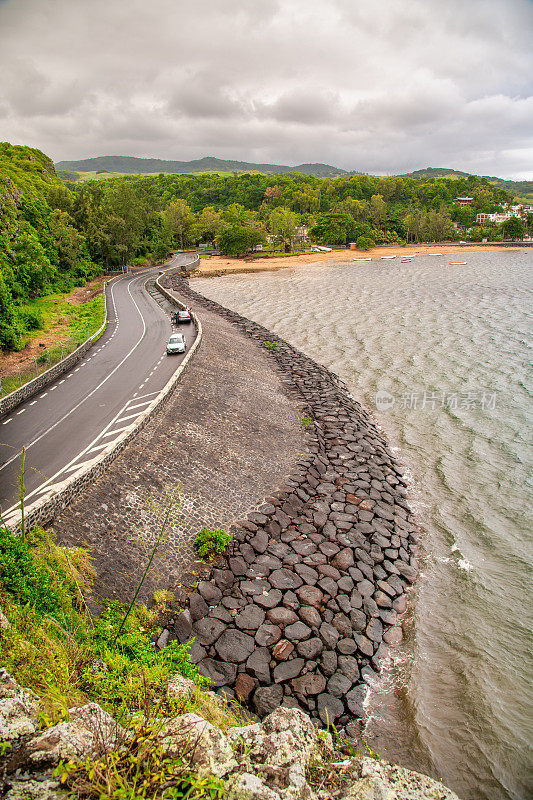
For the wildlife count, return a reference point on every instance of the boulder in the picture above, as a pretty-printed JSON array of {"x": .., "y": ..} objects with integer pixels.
[
  {"x": 200, "y": 745},
  {"x": 198, "y": 608},
  {"x": 244, "y": 686},
  {"x": 250, "y": 618},
  {"x": 219, "y": 673},
  {"x": 208, "y": 630},
  {"x": 18, "y": 709},
  {"x": 267, "y": 699},
  {"x": 234, "y": 646},
  {"x": 246, "y": 786},
  {"x": 90, "y": 731},
  {"x": 281, "y": 749},
  {"x": 309, "y": 684},
  {"x": 209, "y": 592},
  {"x": 355, "y": 699},
  {"x": 288, "y": 669},
  {"x": 285, "y": 579},
  {"x": 259, "y": 664},
  {"x": 380, "y": 779},
  {"x": 281, "y": 616},
  {"x": 30, "y": 789},
  {"x": 329, "y": 708},
  {"x": 297, "y": 631}
]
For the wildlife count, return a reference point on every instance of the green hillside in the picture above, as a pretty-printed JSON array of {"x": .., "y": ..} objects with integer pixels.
[
  {"x": 143, "y": 166},
  {"x": 40, "y": 249},
  {"x": 519, "y": 189}
]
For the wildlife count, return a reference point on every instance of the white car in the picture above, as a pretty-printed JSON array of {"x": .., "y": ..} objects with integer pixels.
[{"x": 176, "y": 344}]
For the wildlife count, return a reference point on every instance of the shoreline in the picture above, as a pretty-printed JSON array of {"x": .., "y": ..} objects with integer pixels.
[
  {"x": 305, "y": 606},
  {"x": 217, "y": 266}
]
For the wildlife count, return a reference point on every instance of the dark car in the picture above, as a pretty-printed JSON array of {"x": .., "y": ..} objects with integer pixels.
[{"x": 181, "y": 316}]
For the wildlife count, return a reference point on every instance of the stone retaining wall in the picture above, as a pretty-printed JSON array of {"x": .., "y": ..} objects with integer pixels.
[
  {"x": 14, "y": 399},
  {"x": 303, "y": 608},
  {"x": 45, "y": 509}
]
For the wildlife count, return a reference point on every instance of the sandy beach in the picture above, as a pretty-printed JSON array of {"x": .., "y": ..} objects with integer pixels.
[{"x": 219, "y": 265}]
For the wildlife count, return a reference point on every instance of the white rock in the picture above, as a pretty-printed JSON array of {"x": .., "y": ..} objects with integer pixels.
[
  {"x": 178, "y": 686},
  {"x": 4, "y": 622},
  {"x": 249, "y": 787},
  {"x": 18, "y": 708},
  {"x": 385, "y": 781},
  {"x": 202, "y": 746},
  {"x": 280, "y": 748},
  {"x": 89, "y": 731},
  {"x": 35, "y": 790}
]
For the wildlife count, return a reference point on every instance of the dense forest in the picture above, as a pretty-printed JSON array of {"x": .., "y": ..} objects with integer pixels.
[{"x": 55, "y": 235}]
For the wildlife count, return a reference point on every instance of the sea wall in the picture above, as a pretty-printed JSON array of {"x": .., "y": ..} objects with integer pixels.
[{"x": 303, "y": 609}]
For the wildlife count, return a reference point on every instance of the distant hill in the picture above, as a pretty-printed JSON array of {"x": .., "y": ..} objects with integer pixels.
[
  {"x": 523, "y": 189},
  {"x": 139, "y": 166},
  {"x": 435, "y": 172}
]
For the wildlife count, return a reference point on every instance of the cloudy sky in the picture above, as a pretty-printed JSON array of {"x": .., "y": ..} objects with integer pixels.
[{"x": 382, "y": 86}]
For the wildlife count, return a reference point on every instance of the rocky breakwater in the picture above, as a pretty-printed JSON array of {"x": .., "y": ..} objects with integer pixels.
[{"x": 302, "y": 610}]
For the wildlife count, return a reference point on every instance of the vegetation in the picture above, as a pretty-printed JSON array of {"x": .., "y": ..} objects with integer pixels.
[
  {"x": 41, "y": 249},
  {"x": 54, "y": 235},
  {"x": 141, "y": 769},
  {"x": 210, "y": 543},
  {"x": 54, "y": 647}
]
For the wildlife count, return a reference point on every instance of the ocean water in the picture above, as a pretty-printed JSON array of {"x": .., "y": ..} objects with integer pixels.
[{"x": 441, "y": 354}]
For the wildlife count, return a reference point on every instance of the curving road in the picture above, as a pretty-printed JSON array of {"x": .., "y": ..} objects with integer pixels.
[{"x": 87, "y": 408}]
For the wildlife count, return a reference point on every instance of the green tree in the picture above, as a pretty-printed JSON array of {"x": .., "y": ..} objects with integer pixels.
[
  {"x": 513, "y": 228},
  {"x": 283, "y": 226},
  {"x": 179, "y": 219},
  {"x": 235, "y": 240}
]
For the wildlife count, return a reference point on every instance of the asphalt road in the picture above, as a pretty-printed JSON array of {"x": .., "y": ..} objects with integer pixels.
[{"x": 86, "y": 409}]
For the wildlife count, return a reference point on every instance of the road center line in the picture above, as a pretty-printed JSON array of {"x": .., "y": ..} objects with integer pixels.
[{"x": 96, "y": 388}]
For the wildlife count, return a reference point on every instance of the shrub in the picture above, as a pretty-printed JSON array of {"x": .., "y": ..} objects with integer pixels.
[
  {"x": 23, "y": 577},
  {"x": 210, "y": 542},
  {"x": 270, "y": 345},
  {"x": 365, "y": 243},
  {"x": 32, "y": 319}
]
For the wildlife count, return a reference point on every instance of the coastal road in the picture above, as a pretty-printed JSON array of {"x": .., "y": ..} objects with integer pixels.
[{"x": 87, "y": 408}]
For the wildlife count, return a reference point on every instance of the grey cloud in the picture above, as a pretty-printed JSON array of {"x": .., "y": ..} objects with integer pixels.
[{"x": 382, "y": 87}]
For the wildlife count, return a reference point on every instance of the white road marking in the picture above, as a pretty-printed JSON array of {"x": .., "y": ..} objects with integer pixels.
[
  {"x": 150, "y": 394},
  {"x": 116, "y": 430},
  {"x": 130, "y": 416},
  {"x": 43, "y": 395},
  {"x": 22, "y": 410},
  {"x": 33, "y": 402},
  {"x": 7, "y": 420},
  {"x": 99, "y": 447},
  {"x": 53, "y": 388},
  {"x": 91, "y": 447},
  {"x": 76, "y": 466},
  {"x": 60, "y": 382},
  {"x": 96, "y": 388}
]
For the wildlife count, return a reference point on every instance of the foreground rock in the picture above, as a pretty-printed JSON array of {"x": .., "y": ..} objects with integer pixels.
[
  {"x": 90, "y": 731},
  {"x": 378, "y": 779},
  {"x": 304, "y": 607},
  {"x": 285, "y": 757},
  {"x": 18, "y": 709}
]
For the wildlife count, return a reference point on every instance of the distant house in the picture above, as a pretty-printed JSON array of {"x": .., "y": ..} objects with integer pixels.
[
  {"x": 483, "y": 218},
  {"x": 510, "y": 211},
  {"x": 463, "y": 201}
]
